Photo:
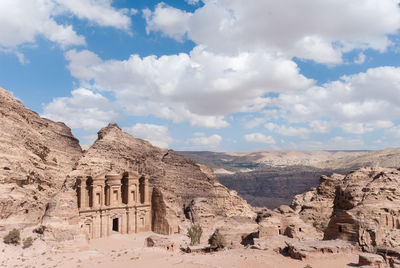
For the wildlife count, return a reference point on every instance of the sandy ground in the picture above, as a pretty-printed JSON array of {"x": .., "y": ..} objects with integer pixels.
[{"x": 129, "y": 251}]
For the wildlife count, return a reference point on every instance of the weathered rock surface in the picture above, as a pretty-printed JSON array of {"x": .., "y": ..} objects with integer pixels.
[
  {"x": 36, "y": 155},
  {"x": 160, "y": 242},
  {"x": 40, "y": 161},
  {"x": 179, "y": 185},
  {"x": 316, "y": 206},
  {"x": 372, "y": 260},
  {"x": 284, "y": 221},
  {"x": 366, "y": 209},
  {"x": 302, "y": 249}
]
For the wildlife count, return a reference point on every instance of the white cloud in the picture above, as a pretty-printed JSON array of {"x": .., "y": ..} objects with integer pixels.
[
  {"x": 84, "y": 109},
  {"x": 22, "y": 21},
  {"x": 156, "y": 134},
  {"x": 319, "y": 126},
  {"x": 259, "y": 138},
  {"x": 254, "y": 122},
  {"x": 288, "y": 130},
  {"x": 192, "y": 2},
  {"x": 177, "y": 87},
  {"x": 358, "y": 103},
  {"x": 360, "y": 58},
  {"x": 356, "y": 128},
  {"x": 211, "y": 141},
  {"x": 316, "y": 30},
  {"x": 171, "y": 21},
  {"x": 99, "y": 12}
]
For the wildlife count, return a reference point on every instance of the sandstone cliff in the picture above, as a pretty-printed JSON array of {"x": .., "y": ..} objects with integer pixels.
[
  {"x": 182, "y": 190},
  {"x": 36, "y": 155},
  {"x": 40, "y": 161},
  {"x": 316, "y": 206},
  {"x": 366, "y": 209}
]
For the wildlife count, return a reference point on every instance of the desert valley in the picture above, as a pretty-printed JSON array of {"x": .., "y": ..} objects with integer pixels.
[{"x": 124, "y": 202}]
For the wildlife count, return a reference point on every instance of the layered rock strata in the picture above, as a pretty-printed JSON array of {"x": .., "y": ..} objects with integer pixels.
[
  {"x": 41, "y": 163},
  {"x": 36, "y": 156},
  {"x": 316, "y": 206},
  {"x": 366, "y": 209}
]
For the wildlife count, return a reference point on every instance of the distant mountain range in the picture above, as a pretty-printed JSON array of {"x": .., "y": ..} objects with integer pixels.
[{"x": 272, "y": 178}]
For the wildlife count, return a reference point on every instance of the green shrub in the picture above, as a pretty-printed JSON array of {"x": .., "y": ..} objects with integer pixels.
[
  {"x": 194, "y": 233},
  {"x": 13, "y": 237},
  {"x": 39, "y": 230},
  {"x": 217, "y": 241},
  {"x": 27, "y": 242},
  {"x": 307, "y": 266}
]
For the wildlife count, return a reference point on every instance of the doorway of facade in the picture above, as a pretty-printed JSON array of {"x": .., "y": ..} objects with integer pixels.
[{"x": 115, "y": 225}]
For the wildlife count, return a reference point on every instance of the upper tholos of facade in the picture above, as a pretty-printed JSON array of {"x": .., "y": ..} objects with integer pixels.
[{"x": 112, "y": 189}]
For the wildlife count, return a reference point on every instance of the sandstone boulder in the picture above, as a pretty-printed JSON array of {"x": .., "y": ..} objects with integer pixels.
[
  {"x": 302, "y": 249},
  {"x": 369, "y": 259},
  {"x": 160, "y": 242}
]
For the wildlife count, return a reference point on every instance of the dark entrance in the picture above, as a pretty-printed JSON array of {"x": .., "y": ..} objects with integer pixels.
[{"x": 115, "y": 225}]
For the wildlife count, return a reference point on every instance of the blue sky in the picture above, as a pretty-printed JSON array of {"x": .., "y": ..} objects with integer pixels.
[{"x": 216, "y": 75}]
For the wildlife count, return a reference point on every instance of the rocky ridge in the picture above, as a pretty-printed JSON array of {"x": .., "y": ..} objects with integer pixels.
[
  {"x": 40, "y": 161},
  {"x": 361, "y": 207},
  {"x": 177, "y": 182},
  {"x": 36, "y": 156}
]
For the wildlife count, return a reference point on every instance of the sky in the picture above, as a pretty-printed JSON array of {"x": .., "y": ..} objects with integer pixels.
[{"x": 217, "y": 75}]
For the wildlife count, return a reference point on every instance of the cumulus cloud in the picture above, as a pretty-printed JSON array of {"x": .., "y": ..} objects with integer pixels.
[
  {"x": 192, "y": 2},
  {"x": 211, "y": 141},
  {"x": 319, "y": 126},
  {"x": 158, "y": 135},
  {"x": 357, "y": 103},
  {"x": 171, "y": 21},
  {"x": 360, "y": 58},
  {"x": 288, "y": 130},
  {"x": 99, "y": 12},
  {"x": 254, "y": 122},
  {"x": 259, "y": 138},
  {"x": 317, "y": 30},
  {"x": 200, "y": 87},
  {"x": 84, "y": 109},
  {"x": 22, "y": 21}
]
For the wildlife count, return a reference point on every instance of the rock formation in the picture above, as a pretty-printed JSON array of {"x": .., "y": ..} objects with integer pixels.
[
  {"x": 36, "y": 156},
  {"x": 41, "y": 161},
  {"x": 178, "y": 183},
  {"x": 366, "y": 209},
  {"x": 316, "y": 206}
]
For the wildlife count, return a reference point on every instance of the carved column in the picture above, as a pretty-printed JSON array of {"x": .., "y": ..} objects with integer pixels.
[
  {"x": 114, "y": 181},
  {"x": 83, "y": 193},
  {"x": 146, "y": 189}
]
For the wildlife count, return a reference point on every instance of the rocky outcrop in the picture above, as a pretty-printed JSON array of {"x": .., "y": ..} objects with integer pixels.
[
  {"x": 366, "y": 209},
  {"x": 160, "y": 242},
  {"x": 40, "y": 161},
  {"x": 284, "y": 221},
  {"x": 178, "y": 183},
  {"x": 371, "y": 260},
  {"x": 302, "y": 249},
  {"x": 36, "y": 156},
  {"x": 316, "y": 206}
]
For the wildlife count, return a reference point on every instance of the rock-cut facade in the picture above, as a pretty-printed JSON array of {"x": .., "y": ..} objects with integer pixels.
[{"x": 113, "y": 202}]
